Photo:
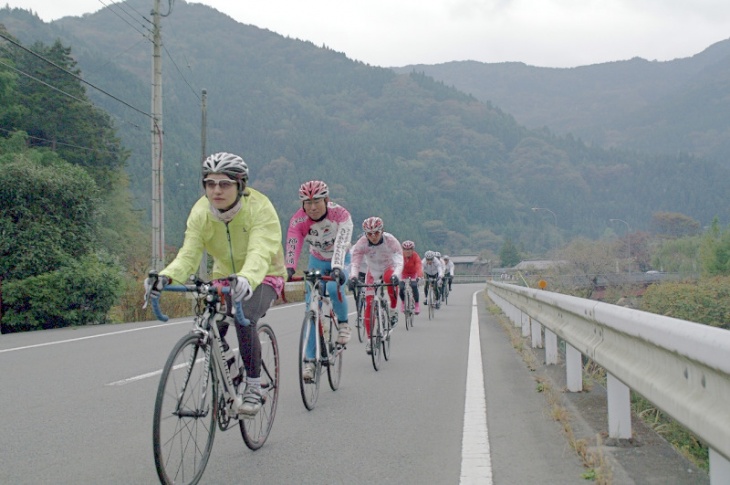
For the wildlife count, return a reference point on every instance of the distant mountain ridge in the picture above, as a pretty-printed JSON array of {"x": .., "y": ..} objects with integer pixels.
[
  {"x": 635, "y": 104},
  {"x": 441, "y": 168}
]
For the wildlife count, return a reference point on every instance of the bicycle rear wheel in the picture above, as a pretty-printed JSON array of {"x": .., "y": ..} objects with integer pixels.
[
  {"x": 376, "y": 335},
  {"x": 256, "y": 429},
  {"x": 334, "y": 362},
  {"x": 361, "y": 333},
  {"x": 309, "y": 388},
  {"x": 186, "y": 411}
]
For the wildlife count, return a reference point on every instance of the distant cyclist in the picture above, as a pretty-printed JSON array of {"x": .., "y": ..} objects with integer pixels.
[
  {"x": 413, "y": 269},
  {"x": 238, "y": 226},
  {"x": 448, "y": 270},
  {"x": 433, "y": 269},
  {"x": 382, "y": 253},
  {"x": 327, "y": 227}
]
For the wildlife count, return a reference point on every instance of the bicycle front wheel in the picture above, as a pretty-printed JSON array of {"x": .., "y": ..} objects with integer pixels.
[
  {"x": 186, "y": 411},
  {"x": 334, "y": 362},
  {"x": 387, "y": 330},
  {"x": 361, "y": 333},
  {"x": 376, "y": 335},
  {"x": 408, "y": 314},
  {"x": 309, "y": 387},
  {"x": 431, "y": 303},
  {"x": 255, "y": 430}
]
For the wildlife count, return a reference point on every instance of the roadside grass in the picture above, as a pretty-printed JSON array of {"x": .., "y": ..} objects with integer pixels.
[{"x": 597, "y": 468}]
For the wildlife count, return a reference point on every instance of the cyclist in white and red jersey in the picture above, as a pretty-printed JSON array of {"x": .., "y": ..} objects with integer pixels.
[
  {"x": 381, "y": 251},
  {"x": 327, "y": 227},
  {"x": 433, "y": 269},
  {"x": 413, "y": 269}
]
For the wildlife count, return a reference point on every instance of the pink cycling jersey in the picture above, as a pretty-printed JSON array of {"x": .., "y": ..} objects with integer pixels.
[{"x": 329, "y": 238}]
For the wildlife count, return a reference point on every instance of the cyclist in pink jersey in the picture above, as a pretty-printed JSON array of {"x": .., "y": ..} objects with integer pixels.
[
  {"x": 382, "y": 253},
  {"x": 327, "y": 227}
]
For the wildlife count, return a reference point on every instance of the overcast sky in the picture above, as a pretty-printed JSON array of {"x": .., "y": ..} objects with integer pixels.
[{"x": 550, "y": 33}]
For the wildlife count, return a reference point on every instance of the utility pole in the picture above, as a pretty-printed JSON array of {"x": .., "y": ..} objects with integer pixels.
[
  {"x": 158, "y": 206},
  {"x": 203, "y": 271}
]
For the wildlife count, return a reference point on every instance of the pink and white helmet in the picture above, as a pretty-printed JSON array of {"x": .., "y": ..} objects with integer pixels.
[
  {"x": 313, "y": 190},
  {"x": 371, "y": 225},
  {"x": 408, "y": 245}
]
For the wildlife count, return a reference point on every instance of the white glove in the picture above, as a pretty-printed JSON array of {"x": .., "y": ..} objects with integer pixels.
[
  {"x": 154, "y": 286},
  {"x": 240, "y": 289}
]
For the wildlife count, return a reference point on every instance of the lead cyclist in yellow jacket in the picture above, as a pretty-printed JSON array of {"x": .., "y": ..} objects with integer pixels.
[{"x": 240, "y": 229}]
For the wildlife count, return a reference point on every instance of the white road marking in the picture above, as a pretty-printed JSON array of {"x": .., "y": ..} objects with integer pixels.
[{"x": 476, "y": 463}]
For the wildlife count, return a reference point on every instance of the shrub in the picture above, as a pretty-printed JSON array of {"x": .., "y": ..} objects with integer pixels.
[{"x": 79, "y": 293}]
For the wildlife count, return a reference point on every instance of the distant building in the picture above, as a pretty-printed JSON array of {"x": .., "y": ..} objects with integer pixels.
[
  {"x": 471, "y": 265},
  {"x": 538, "y": 265}
]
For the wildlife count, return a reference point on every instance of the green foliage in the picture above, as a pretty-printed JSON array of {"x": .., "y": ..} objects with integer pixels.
[
  {"x": 81, "y": 292},
  {"x": 47, "y": 213},
  {"x": 715, "y": 251},
  {"x": 509, "y": 255},
  {"x": 677, "y": 255},
  {"x": 707, "y": 301}
]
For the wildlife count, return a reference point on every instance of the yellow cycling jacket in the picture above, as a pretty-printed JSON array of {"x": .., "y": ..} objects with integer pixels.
[{"x": 255, "y": 235}]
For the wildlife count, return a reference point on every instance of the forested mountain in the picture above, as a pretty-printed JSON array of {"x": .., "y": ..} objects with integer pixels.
[
  {"x": 441, "y": 167},
  {"x": 658, "y": 107}
]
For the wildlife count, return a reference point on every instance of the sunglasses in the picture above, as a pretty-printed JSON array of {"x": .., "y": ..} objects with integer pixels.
[
  {"x": 223, "y": 184},
  {"x": 373, "y": 233}
]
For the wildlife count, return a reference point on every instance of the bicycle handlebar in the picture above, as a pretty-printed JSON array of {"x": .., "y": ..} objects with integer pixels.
[
  {"x": 191, "y": 288},
  {"x": 315, "y": 275}
]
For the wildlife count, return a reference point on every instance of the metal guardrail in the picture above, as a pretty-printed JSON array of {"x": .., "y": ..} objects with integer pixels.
[{"x": 680, "y": 366}]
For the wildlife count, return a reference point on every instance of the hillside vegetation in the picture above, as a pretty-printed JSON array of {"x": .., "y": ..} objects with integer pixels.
[{"x": 441, "y": 167}]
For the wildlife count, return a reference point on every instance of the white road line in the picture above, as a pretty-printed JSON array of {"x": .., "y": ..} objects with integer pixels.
[
  {"x": 58, "y": 342},
  {"x": 476, "y": 464}
]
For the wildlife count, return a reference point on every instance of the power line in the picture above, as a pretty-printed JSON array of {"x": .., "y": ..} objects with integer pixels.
[{"x": 74, "y": 76}]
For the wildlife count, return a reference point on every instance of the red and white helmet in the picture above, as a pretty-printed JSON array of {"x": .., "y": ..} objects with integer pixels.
[
  {"x": 313, "y": 190},
  {"x": 371, "y": 225},
  {"x": 408, "y": 245}
]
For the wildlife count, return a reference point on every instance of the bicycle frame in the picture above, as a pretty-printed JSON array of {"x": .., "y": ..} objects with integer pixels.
[
  {"x": 206, "y": 327},
  {"x": 327, "y": 353},
  {"x": 380, "y": 315}
]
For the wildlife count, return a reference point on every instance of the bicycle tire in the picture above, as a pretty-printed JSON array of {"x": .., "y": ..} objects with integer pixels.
[
  {"x": 309, "y": 389},
  {"x": 334, "y": 362},
  {"x": 375, "y": 335},
  {"x": 256, "y": 430},
  {"x": 431, "y": 304},
  {"x": 361, "y": 333},
  {"x": 186, "y": 413},
  {"x": 408, "y": 314},
  {"x": 385, "y": 315}
]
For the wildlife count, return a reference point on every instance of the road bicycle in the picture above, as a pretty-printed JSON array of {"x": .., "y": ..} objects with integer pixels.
[
  {"x": 380, "y": 323},
  {"x": 409, "y": 305},
  {"x": 359, "y": 295},
  {"x": 445, "y": 290},
  {"x": 430, "y": 293},
  {"x": 199, "y": 391},
  {"x": 324, "y": 351}
]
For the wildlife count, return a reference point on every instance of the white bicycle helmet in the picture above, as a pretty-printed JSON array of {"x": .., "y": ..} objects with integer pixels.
[{"x": 227, "y": 164}]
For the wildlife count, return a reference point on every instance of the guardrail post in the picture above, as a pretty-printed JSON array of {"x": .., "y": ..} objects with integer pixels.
[
  {"x": 719, "y": 468},
  {"x": 551, "y": 347},
  {"x": 573, "y": 368},
  {"x": 525, "y": 324},
  {"x": 619, "y": 408},
  {"x": 536, "y": 332}
]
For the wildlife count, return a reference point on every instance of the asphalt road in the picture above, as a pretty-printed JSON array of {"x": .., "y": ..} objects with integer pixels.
[{"x": 76, "y": 408}]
